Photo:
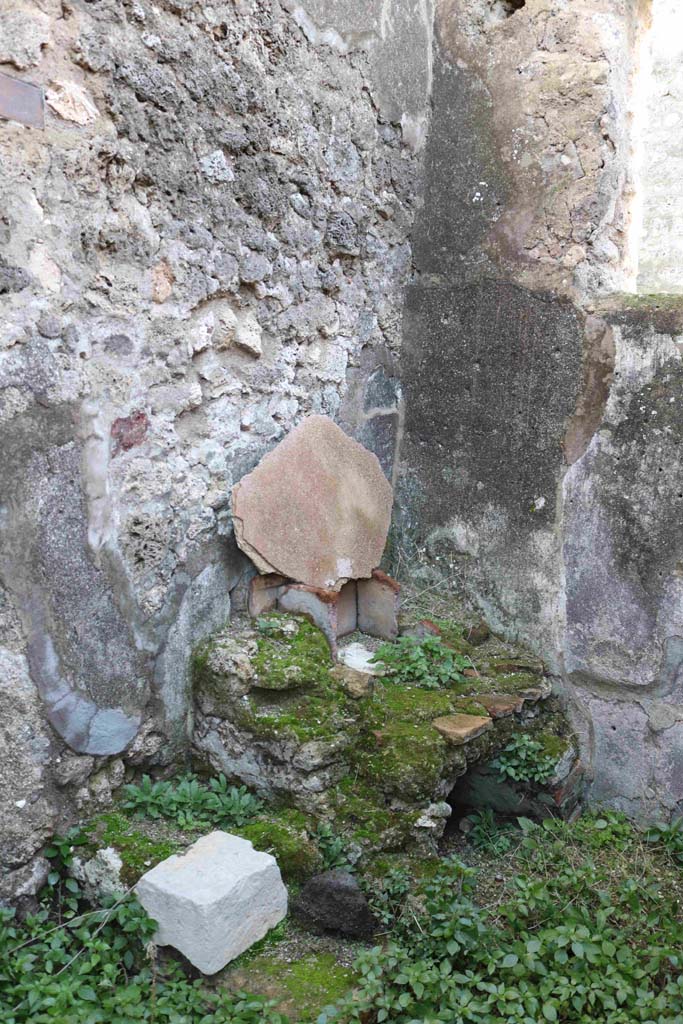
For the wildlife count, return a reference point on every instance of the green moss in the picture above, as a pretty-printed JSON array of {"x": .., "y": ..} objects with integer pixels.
[
  {"x": 655, "y": 301},
  {"x": 291, "y": 653},
  {"x": 208, "y": 680},
  {"x": 512, "y": 664},
  {"x": 406, "y": 758},
  {"x": 509, "y": 683},
  {"x": 295, "y": 696},
  {"x": 453, "y": 633},
  {"x": 420, "y": 869},
  {"x": 401, "y": 753},
  {"x": 285, "y": 835},
  {"x": 362, "y": 816},
  {"x": 315, "y": 981},
  {"x": 468, "y": 706},
  {"x": 301, "y": 988},
  {"x": 553, "y": 746},
  {"x": 138, "y": 852},
  {"x": 393, "y": 701},
  {"x": 326, "y": 714}
]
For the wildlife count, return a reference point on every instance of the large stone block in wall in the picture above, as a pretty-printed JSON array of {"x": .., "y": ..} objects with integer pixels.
[
  {"x": 622, "y": 524},
  {"x": 491, "y": 375},
  {"x": 622, "y": 559}
]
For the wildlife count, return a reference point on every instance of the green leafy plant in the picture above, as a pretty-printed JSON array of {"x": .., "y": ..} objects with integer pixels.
[
  {"x": 387, "y": 897},
  {"x": 63, "y": 890},
  {"x": 524, "y": 760},
  {"x": 568, "y": 943},
  {"x": 669, "y": 838},
  {"x": 191, "y": 803},
  {"x": 98, "y": 968},
  {"x": 332, "y": 848},
  {"x": 427, "y": 662},
  {"x": 486, "y": 834}
]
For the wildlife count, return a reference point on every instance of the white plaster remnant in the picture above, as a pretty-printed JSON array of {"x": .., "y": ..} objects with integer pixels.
[
  {"x": 217, "y": 168},
  {"x": 44, "y": 268},
  {"x": 71, "y": 102},
  {"x": 658, "y": 208},
  {"x": 95, "y": 430}
]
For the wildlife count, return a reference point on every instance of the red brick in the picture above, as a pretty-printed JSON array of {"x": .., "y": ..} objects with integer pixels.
[{"x": 378, "y": 604}]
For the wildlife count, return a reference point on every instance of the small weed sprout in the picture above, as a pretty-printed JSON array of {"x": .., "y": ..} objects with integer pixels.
[{"x": 485, "y": 833}]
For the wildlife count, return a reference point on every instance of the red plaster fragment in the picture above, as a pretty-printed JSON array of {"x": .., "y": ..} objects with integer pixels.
[{"x": 129, "y": 431}]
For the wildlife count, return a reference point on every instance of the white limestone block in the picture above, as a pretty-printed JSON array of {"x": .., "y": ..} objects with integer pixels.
[{"x": 215, "y": 900}]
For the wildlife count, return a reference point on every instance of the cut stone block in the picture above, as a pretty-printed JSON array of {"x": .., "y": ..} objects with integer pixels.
[
  {"x": 316, "y": 509},
  {"x": 215, "y": 900},
  {"x": 357, "y": 684},
  {"x": 458, "y": 729},
  {"x": 356, "y": 670},
  {"x": 333, "y": 612},
  {"x": 501, "y": 705},
  {"x": 378, "y": 604},
  {"x": 263, "y": 593}
]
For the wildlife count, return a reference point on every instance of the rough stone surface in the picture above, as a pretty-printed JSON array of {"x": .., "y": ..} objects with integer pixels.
[
  {"x": 501, "y": 705},
  {"x": 100, "y": 875},
  {"x": 316, "y": 509},
  {"x": 199, "y": 250},
  {"x": 541, "y": 468},
  {"x": 215, "y": 900},
  {"x": 333, "y": 902},
  {"x": 356, "y": 670},
  {"x": 27, "y": 818},
  {"x": 459, "y": 729}
]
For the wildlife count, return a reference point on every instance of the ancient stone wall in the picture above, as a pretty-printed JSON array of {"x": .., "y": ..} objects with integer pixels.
[
  {"x": 542, "y": 463},
  {"x": 241, "y": 213},
  {"x": 208, "y": 241}
]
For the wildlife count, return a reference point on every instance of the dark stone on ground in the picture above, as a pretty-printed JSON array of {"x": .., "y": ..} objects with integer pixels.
[{"x": 333, "y": 902}]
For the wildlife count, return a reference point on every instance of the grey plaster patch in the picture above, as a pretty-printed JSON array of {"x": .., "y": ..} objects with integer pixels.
[
  {"x": 26, "y": 816},
  {"x": 81, "y": 652},
  {"x": 396, "y": 35},
  {"x": 204, "y": 608}
]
